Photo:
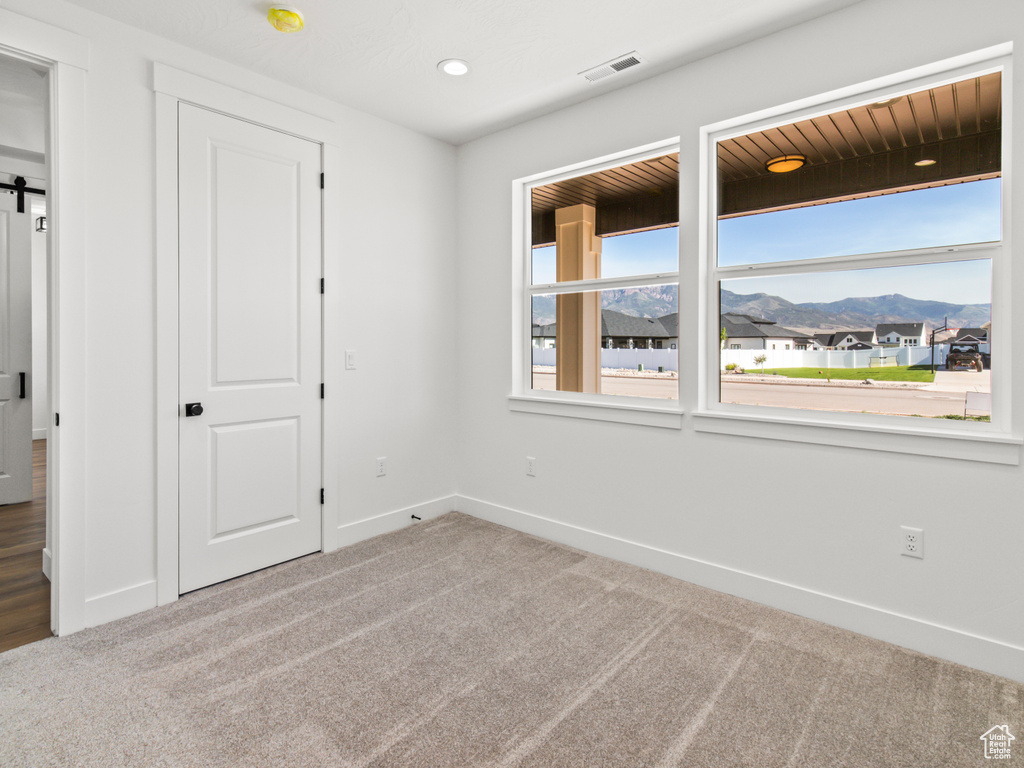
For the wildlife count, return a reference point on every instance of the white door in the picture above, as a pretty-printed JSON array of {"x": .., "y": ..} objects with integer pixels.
[
  {"x": 249, "y": 347},
  {"x": 15, "y": 351}
]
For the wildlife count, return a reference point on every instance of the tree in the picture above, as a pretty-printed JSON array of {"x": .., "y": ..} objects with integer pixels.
[{"x": 760, "y": 360}]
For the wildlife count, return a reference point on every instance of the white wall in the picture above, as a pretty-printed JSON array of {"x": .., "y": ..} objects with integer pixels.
[
  {"x": 399, "y": 283},
  {"x": 838, "y": 555}
]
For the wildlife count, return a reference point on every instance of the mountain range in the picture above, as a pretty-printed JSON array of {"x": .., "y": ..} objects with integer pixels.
[{"x": 860, "y": 313}]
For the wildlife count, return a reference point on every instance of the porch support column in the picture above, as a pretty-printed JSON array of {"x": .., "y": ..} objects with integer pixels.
[{"x": 577, "y": 316}]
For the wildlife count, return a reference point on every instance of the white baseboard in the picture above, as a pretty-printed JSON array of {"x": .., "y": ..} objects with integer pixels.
[
  {"x": 121, "y": 603},
  {"x": 39, "y": 434},
  {"x": 350, "y": 533},
  {"x": 47, "y": 564},
  {"x": 933, "y": 639}
]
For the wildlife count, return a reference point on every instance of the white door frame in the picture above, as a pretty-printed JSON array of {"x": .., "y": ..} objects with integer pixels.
[
  {"x": 66, "y": 55},
  {"x": 172, "y": 86}
]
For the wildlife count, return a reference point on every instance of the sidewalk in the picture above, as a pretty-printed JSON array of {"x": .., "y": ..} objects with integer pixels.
[
  {"x": 960, "y": 381},
  {"x": 758, "y": 378}
]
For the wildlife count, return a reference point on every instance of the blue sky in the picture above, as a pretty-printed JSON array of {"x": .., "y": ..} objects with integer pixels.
[
  {"x": 958, "y": 282},
  {"x": 950, "y": 215},
  {"x": 925, "y": 218},
  {"x": 641, "y": 253}
]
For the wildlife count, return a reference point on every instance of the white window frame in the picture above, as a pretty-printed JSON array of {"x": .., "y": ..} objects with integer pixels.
[
  {"x": 992, "y": 442},
  {"x": 523, "y": 398}
]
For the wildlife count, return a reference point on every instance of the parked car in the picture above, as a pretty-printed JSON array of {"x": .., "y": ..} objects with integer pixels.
[{"x": 967, "y": 355}]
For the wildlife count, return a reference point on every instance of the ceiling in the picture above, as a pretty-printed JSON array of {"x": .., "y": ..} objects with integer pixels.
[
  {"x": 628, "y": 198},
  {"x": 526, "y": 55},
  {"x": 947, "y": 112},
  {"x": 863, "y": 151},
  {"x": 656, "y": 176}
]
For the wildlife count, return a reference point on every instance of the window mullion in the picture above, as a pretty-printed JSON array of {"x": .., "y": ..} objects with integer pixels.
[
  {"x": 970, "y": 252},
  {"x": 604, "y": 283}
]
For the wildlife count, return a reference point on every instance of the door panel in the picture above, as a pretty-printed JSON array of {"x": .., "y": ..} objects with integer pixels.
[
  {"x": 256, "y": 479},
  {"x": 249, "y": 347},
  {"x": 257, "y": 268},
  {"x": 15, "y": 352}
]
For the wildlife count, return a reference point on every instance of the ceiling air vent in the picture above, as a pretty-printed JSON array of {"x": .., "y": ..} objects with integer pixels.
[{"x": 616, "y": 65}]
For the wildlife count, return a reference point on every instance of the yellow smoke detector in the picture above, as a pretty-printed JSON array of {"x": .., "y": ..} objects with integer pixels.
[{"x": 286, "y": 19}]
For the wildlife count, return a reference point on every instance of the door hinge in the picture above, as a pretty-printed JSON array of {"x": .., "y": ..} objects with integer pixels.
[
  {"x": 321, "y": 495},
  {"x": 321, "y": 285},
  {"x": 321, "y": 181},
  {"x": 56, "y": 419},
  {"x": 321, "y": 390}
]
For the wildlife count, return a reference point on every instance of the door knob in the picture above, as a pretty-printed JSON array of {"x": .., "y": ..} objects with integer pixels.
[{"x": 193, "y": 409}]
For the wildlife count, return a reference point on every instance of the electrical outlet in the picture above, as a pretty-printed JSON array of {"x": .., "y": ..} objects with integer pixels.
[
  {"x": 382, "y": 466},
  {"x": 531, "y": 466},
  {"x": 911, "y": 542}
]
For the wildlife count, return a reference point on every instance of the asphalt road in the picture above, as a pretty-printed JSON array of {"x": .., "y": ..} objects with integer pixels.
[
  {"x": 855, "y": 398},
  {"x": 906, "y": 402}
]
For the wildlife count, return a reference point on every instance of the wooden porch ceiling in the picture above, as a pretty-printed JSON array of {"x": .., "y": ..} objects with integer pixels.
[
  {"x": 859, "y": 152},
  {"x": 643, "y": 195},
  {"x": 965, "y": 108},
  {"x": 869, "y": 150}
]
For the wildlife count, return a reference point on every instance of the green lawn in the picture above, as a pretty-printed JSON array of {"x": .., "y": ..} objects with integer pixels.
[{"x": 896, "y": 373}]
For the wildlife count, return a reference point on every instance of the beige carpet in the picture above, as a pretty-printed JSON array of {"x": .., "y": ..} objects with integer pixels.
[{"x": 456, "y": 642}]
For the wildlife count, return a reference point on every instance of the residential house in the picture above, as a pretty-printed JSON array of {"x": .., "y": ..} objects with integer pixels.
[
  {"x": 979, "y": 335},
  {"x": 902, "y": 334},
  {"x": 419, "y": 224},
  {"x": 845, "y": 340},
  {"x": 622, "y": 331},
  {"x": 748, "y": 332}
]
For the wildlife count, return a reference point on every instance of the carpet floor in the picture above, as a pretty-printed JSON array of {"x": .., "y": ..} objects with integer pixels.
[{"x": 457, "y": 642}]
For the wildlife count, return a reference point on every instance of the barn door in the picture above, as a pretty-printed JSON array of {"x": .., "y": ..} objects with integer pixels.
[
  {"x": 15, "y": 352},
  {"x": 249, "y": 347}
]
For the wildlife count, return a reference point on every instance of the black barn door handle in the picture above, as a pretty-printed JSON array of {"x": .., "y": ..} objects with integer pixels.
[{"x": 21, "y": 378}]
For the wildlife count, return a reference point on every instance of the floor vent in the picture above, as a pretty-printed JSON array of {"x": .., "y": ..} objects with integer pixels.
[{"x": 616, "y": 65}]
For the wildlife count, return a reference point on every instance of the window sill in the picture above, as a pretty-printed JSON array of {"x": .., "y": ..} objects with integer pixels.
[
  {"x": 990, "y": 447},
  {"x": 667, "y": 417}
]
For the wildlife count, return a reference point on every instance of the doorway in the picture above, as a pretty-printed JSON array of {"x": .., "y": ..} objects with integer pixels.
[{"x": 25, "y": 604}]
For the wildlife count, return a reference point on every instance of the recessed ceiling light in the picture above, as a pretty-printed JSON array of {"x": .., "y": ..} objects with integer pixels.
[
  {"x": 926, "y": 161},
  {"x": 453, "y": 67},
  {"x": 785, "y": 163},
  {"x": 284, "y": 18}
]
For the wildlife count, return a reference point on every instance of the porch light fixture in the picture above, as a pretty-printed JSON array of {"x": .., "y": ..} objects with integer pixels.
[
  {"x": 786, "y": 163},
  {"x": 284, "y": 18},
  {"x": 454, "y": 67},
  {"x": 41, "y": 224},
  {"x": 885, "y": 103},
  {"x": 925, "y": 161}
]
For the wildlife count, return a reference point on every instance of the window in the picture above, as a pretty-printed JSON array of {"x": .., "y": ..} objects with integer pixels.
[
  {"x": 867, "y": 212},
  {"x": 600, "y": 290}
]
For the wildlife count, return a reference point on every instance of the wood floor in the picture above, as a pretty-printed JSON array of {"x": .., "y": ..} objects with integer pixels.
[{"x": 24, "y": 591}]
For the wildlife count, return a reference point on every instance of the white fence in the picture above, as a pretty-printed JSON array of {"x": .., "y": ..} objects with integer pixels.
[
  {"x": 861, "y": 358},
  {"x": 650, "y": 359}
]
